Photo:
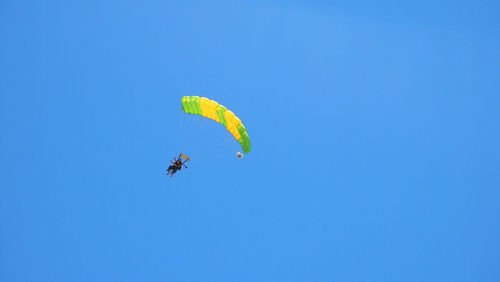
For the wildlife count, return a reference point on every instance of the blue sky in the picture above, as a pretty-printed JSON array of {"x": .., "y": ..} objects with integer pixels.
[{"x": 374, "y": 128}]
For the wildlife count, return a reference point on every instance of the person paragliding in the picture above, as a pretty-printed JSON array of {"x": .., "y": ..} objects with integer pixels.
[
  {"x": 177, "y": 164},
  {"x": 211, "y": 109}
]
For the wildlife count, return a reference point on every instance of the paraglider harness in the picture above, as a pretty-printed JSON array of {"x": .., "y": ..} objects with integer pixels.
[{"x": 177, "y": 164}]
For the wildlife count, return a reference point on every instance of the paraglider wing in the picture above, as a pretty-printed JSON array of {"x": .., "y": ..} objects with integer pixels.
[{"x": 213, "y": 110}]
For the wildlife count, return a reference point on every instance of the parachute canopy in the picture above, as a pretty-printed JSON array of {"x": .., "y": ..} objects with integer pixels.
[{"x": 210, "y": 109}]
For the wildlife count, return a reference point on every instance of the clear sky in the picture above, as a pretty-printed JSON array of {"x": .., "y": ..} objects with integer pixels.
[{"x": 374, "y": 128}]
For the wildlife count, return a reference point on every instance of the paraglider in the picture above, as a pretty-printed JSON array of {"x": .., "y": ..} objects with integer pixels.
[
  {"x": 210, "y": 109},
  {"x": 177, "y": 164}
]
